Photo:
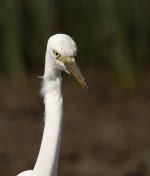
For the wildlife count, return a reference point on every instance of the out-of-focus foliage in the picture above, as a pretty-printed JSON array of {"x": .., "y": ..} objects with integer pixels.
[{"x": 110, "y": 34}]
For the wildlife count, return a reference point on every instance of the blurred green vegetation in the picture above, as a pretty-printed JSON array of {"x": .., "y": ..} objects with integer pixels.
[{"x": 110, "y": 34}]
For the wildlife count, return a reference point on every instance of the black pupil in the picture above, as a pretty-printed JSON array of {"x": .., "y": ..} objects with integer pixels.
[{"x": 57, "y": 54}]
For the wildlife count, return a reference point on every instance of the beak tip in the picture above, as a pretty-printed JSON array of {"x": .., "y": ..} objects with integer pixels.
[{"x": 87, "y": 88}]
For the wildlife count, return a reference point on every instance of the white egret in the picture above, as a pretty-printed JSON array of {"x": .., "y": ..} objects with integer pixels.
[{"x": 60, "y": 56}]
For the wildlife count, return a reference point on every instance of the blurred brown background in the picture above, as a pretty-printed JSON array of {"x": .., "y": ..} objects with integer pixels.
[{"x": 106, "y": 132}]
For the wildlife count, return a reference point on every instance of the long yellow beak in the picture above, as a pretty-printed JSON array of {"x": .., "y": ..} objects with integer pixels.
[{"x": 74, "y": 70}]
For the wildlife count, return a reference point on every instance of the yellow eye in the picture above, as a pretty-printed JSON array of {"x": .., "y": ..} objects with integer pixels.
[{"x": 56, "y": 54}]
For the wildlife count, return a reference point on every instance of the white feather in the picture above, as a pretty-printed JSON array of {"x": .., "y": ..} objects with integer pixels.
[{"x": 48, "y": 158}]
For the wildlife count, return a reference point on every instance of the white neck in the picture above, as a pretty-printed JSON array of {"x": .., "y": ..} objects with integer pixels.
[{"x": 48, "y": 158}]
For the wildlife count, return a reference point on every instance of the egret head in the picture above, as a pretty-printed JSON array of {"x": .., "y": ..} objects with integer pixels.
[{"x": 61, "y": 53}]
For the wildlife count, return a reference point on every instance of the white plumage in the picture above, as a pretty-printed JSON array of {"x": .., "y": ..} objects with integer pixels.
[
  {"x": 25, "y": 173},
  {"x": 60, "y": 55}
]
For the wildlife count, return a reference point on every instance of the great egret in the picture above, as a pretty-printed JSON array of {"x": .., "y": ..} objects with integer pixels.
[{"x": 60, "y": 56}]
